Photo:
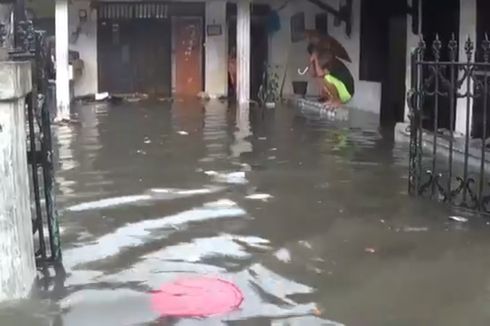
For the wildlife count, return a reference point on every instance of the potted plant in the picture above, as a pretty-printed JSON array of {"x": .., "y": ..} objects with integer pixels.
[{"x": 269, "y": 89}]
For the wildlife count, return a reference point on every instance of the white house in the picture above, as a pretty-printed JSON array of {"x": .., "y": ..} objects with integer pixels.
[{"x": 172, "y": 47}]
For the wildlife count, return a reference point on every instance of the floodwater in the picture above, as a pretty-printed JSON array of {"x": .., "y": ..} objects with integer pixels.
[{"x": 309, "y": 218}]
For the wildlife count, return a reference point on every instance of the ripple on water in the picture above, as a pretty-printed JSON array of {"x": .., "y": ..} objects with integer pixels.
[{"x": 136, "y": 234}]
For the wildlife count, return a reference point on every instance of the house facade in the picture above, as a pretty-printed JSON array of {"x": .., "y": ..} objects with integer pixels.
[{"x": 183, "y": 47}]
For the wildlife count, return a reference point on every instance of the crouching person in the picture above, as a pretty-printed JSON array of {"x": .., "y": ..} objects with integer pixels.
[{"x": 337, "y": 82}]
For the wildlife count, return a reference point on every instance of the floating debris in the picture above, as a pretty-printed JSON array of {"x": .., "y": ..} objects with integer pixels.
[
  {"x": 102, "y": 96},
  {"x": 317, "y": 270},
  {"x": 370, "y": 250},
  {"x": 317, "y": 312},
  {"x": 283, "y": 255},
  {"x": 458, "y": 219},
  {"x": 305, "y": 244},
  {"x": 183, "y": 133}
]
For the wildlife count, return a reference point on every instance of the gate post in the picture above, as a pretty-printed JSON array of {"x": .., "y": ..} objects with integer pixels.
[
  {"x": 17, "y": 262},
  {"x": 243, "y": 52}
]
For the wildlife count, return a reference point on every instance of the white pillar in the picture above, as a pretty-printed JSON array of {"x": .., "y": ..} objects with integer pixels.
[
  {"x": 17, "y": 264},
  {"x": 467, "y": 29},
  {"x": 243, "y": 52},
  {"x": 412, "y": 44},
  {"x": 216, "y": 50},
  {"x": 62, "y": 64}
]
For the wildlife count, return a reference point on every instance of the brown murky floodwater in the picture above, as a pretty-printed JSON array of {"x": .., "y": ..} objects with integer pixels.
[{"x": 309, "y": 218}]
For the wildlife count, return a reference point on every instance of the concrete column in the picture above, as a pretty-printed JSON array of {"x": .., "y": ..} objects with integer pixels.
[
  {"x": 243, "y": 52},
  {"x": 62, "y": 64},
  {"x": 17, "y": 264},
  {"x": 216, "y": 51},
  {"x": 467, "y": 29}
]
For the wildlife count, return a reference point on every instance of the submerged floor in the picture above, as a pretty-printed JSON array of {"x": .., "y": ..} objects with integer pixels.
[{"x": 310, "y": 219}]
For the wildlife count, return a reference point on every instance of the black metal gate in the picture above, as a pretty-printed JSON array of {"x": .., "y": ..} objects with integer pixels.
[
  {"x": 30, "y": 45},
  {"x": 446, "y": 165}
]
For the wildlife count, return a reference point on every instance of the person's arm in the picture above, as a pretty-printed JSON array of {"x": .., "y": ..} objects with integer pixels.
[
  {"x": 316, "y": 67},
  {"x": 311, "y": 67}
]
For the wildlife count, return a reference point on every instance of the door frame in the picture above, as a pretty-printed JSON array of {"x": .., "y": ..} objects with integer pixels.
[{"x": 429, "y": 31}]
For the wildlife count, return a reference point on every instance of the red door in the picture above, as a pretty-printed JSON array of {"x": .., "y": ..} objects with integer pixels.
[{"x": 187, "y": 32}]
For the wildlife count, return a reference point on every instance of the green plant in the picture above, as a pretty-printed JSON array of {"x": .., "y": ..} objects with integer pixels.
[{"x": 269, "y": 89}]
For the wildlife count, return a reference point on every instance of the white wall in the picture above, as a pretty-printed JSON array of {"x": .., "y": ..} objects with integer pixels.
[
  {"x": 216, "y": 50},
  {"x": 86, "y": 45},
  {"x": 284, "y": 54},
  {"x": 367, "y": 94}
]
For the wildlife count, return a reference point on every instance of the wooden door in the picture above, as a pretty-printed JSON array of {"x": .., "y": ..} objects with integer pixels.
[{"x": 187, "y": 33}]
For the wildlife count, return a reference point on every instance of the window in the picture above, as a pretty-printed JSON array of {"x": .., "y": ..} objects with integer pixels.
[
  {"x": 298, "y": 27},
  {"x": 321, "y": 23}
]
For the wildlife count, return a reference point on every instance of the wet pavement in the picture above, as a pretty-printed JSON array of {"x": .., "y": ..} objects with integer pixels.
[{"x": 309, "y": 218}]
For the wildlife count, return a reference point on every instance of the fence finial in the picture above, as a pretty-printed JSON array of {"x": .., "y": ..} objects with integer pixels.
[
  {"x": 436, "y": 48},
  {"x": 453, "y": 47},
  {"x": 486, "y": 48},
  {"x": 469, "y": 47}
]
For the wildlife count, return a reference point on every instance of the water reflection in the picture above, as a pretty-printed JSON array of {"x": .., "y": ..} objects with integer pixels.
[
  {"x": 138, "y": 233},
  {"x": 242, "y": 132},
  {"x": 154, "y": 194}
]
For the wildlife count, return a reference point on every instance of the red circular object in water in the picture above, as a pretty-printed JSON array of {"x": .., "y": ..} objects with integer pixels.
[{"x": 197, "y": 297}]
